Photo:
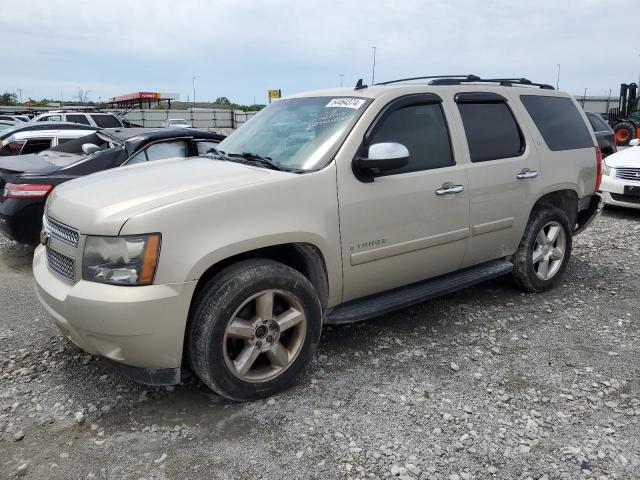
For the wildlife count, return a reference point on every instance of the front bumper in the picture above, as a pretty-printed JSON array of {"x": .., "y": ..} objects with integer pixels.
[
  {"x": 613, "y": 192},
  {"x": 140, "y": 328}
]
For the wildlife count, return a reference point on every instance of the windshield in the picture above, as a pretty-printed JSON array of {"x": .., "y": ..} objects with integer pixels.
[{"x": 297, "y": 133}]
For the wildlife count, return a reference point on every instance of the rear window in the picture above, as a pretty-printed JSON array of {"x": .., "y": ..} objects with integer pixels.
[
  {"x": 492, "y": 132},
  {"x": 558, "y": 121},
  {"x": 78, "y": 119},
  {"x": 106, "y": 121},
  {"x": 598, "y": 124}
]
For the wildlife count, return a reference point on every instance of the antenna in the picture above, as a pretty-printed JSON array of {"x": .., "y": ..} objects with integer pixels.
[{"x": 360, "y": 85}]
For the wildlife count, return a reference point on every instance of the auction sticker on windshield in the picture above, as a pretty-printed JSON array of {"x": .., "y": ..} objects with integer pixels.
[{"x": 354, "y": 103}]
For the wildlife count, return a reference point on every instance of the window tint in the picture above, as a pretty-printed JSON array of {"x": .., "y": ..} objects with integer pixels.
[
  {"x": 204, "y": 147},
  {"x": 423, "y": 130},
  {"x": 558, "y": 121},
  {"x": 78, "y": 119},
  {"x": 158, "y": 151},
  {"x": 106, "y": 121},
  {"x": 35, "y": 146},
  {"x": 63, "y": 140},
  {"x": 492, "y": 132}
]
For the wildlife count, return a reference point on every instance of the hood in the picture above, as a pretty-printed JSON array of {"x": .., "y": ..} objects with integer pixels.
[
  {"x": 629, "y": 157},
  {"x": 42, "y": 163},
  {"x": 101, "y": 203}
]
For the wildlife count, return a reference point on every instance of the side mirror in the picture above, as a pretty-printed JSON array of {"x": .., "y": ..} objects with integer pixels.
[
  {"x": 90, "y": 148},
  {"x": 635, "y": 142},
  {"x": 381, "y": 157}
]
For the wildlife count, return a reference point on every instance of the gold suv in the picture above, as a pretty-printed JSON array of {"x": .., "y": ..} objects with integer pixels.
[{"x": 327, "y": 207}]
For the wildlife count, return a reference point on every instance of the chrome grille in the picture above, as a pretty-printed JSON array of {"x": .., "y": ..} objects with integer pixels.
[
  {"x": 60, "y": 231},
  {"x": 628, "y": 173},
  {"x": 61, "y": 264}
]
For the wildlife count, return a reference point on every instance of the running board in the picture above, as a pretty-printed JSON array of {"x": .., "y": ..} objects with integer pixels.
[{"x": 385, "y": 302}]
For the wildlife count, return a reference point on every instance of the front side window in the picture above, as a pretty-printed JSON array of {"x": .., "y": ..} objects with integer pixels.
[
  {"x": 423, "y": 130},
  {"x": 159, "y": 151},
  {"x": 559, "y": 122},
  {"x": 204, "y": 147},
  {"x": 299, "y": 133},
  {"x": 78, "y": 119},
  {"x": 491, "y": 130}
]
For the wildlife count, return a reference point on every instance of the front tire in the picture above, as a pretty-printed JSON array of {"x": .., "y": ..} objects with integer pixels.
[
  {"x": 544, "y": 250},
  {"x": 625, "y": 132},
  {"x": 253, "y": 328}
]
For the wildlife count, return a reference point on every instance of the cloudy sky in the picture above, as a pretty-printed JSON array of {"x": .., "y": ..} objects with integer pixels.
[{"x": 241, "y": 48}]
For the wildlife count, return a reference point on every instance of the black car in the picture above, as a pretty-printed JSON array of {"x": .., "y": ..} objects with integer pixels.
[
  {"x": 13, "y": 138},
  {"x": 605, "y": 135},
  {"x": 27, "y": 180}
]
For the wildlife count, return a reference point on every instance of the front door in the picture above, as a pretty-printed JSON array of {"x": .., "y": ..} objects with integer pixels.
[{"x": 408, "y": 224}]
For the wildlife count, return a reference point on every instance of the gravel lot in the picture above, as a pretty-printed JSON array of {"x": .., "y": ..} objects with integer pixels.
[{"x": 484, "y": 383}]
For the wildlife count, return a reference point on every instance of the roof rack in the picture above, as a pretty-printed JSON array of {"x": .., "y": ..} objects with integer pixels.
[{"x": 460, "y": 79}]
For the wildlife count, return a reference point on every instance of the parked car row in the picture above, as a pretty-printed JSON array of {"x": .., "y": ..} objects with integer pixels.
[
  {"x": 27, "y": 179},
  {"x": 326, "y": 207}
]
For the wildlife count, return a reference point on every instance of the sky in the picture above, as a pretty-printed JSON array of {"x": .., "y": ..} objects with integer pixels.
[{"x": 240, "y": 49}]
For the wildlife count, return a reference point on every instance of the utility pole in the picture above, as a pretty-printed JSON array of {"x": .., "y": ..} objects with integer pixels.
[
  {"x": 558, "y": 79},
  {"x": 194, "y": 91},
  {"x": 20, "y": 92},
  {"x": 373, "y": 71},
  {"x": 341, "y": 77}
]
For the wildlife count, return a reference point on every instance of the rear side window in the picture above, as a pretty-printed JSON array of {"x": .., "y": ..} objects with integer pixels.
[
  {"x": 423, "y": 130},
  {"x": 50, "y": 118},
  {"x": 491, "y": 130},
  {"x": 36, "y": 145},
  {"x": 106, "y": 121},
  {"x": 558, "y": 121},
  {"x": 78, "y": 119}
]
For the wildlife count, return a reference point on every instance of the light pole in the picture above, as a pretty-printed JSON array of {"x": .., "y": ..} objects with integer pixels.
[
  {"x": 341, "y": 76},
  {"x": 373, "y": 70},
  {"x": 20, "y": 92},
  {"x": 193, "y": 79},
  {"x": 558, "y": 79}
]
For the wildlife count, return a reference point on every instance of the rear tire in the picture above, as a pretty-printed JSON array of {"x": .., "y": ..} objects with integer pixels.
[
  {"x": 253, "y": 328},
  {"x": 625, "y": 132},
  {"x": 544, "y": 250}
]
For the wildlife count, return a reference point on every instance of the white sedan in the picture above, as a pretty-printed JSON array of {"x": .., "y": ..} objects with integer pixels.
[{"x": 621, "y": 177}]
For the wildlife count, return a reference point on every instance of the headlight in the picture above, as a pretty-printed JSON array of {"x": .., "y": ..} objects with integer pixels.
[
  {"x": 129, "y": 260},
  {"x": 607, "y": 170}
]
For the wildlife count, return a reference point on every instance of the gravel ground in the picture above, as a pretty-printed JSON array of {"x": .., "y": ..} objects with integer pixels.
[{"x": 485, "y": 383}]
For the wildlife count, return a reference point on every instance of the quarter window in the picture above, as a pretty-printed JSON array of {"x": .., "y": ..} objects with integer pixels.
[
  {"x": 558, "y": 121},
  {"x": 423, "y": 130},
  {"x": 106, "y": 121},
  {"x": 491, "y": 130},
  {"x": 159, "y": 151}
]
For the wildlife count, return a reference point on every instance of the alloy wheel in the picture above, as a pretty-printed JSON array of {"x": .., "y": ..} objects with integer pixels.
[
  {"x": 549, "y": 250},
  {"x": 264, "y": 336}
]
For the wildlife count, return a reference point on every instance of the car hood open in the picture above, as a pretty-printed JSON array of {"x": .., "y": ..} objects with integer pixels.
[
  {"x": 101, "y": 203},
  {"x": 629, "y": 157}
]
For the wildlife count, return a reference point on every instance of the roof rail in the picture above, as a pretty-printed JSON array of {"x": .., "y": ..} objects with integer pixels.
[{"x": 460, "y": 79}]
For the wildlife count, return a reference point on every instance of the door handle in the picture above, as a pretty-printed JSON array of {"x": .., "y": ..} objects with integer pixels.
[
  {"x": 448, "y": 189},
  {"x": 526, "y": 173}
]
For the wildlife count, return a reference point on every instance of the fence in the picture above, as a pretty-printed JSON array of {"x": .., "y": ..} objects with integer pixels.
[{"x": 198, "y": 118}]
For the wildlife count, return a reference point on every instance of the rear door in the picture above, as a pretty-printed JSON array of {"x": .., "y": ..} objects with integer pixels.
[{"x": 504, "y": 174}]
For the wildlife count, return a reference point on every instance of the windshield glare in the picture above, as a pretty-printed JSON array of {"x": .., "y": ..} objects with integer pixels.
[{"x": 297, "y": 133}]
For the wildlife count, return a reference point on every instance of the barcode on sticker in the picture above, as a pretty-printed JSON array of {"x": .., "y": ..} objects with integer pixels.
[{"x": 345, "y": 103}]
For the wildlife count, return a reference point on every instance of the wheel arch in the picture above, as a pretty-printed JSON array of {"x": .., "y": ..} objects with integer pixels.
[
  {"x": 566, "y": 199},
  {"x": 301, "y": 256}
]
